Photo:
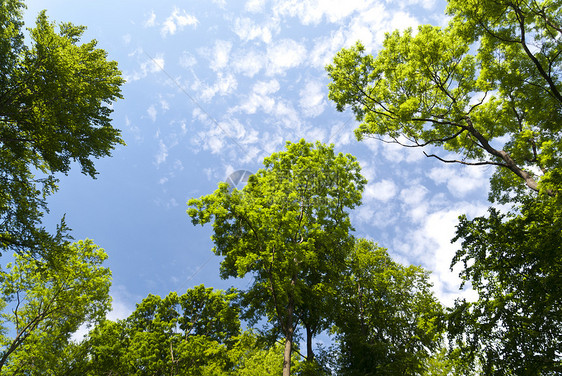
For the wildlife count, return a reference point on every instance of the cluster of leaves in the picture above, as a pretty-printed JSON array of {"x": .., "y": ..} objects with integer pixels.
[
  {"x": 197, "y": 333},
  {"x": 493, "y": 74},
  {"x": 294, "y": 248},
  {"x": 389, "y": 322},
  {"x": 46, "y": 301},
  {"x": 55, "y": 107},
  {"x": 487, "y": 88},
  {"x": 515, "y": 265},
  {"x": 289, "y": 227}
]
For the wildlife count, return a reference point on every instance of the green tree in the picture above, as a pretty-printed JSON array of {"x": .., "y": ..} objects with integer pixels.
[
  {"x": 514, "y": 262},
  {"x": 389, "y": 319},
  {"x": 55, "y": 105},
  {"x": 289, "y": 227},
  {"x": 45, "y": 302},
  {"x": 487, "y": 87},
  {"x": 197, "y": 333}
]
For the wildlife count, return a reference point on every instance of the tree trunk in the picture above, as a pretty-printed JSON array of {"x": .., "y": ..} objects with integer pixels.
[
  {"x": 287, "y": 353},
  {"x": 289, "y": 330},
  {"x": 309, "y": 352}
]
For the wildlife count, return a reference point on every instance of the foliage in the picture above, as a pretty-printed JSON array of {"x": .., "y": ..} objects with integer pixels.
[
  {"x": 46, "y": 301},
  {"x": 55, "y": 107},
  {"x": 289, "y": 227},
  {"x": 487, "y": 87},
  {"x": 389, "y": 320},
  {"x": 197, "y": 333},
  {"x": 515, "y": 265}
]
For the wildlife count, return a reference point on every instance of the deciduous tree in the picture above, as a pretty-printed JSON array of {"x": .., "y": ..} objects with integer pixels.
[
  {"x": 486, "y": 88},
  {"x": 389, "y": 319},
  {"x": 515, "y": 264},
  {"x": 55, "y": 105},
  {"x": 197, "y": 333},
  {"x": 289, "y": 228},
  {"x": 45, "y": 302}
]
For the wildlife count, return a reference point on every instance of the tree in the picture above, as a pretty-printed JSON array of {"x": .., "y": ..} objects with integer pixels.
[
  {"x": 197, "y": 333},
  {"x": 289, "y": 227},
  {"x": 487, "y": 87},
  {"x": 514, "y": 262},
  {"x": 389, "y": 319},
  {"x": 46, "y": 301},
  {"x": 55, "y": 107}
]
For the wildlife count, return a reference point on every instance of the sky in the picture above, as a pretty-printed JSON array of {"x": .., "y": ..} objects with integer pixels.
[{"x": 214, "y": 87}]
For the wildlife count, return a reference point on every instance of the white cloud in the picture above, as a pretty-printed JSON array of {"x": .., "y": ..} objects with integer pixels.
[
  {"x": 427, "y": 4},
  {"x": 177, "y": 21},
  {"x": 364, "y": 214},
  {"x": 367, "y": 170},
  {"x": 402, "y": 20},
  {"x": 248, "y": 30},
  {"x": 383, "y": 190},
  {"x": 187, "y": 60},
  {"x": 249, "y": 63},
  {"x": 259, "y": 98},
  {"x": 283, "y": 55},
  {"x": 286, "y": 113},
  {"x": 120, "y": 308},
  {"x": 415, "y": 202},
  {"x": 255, "y": 6},
  {"x": 413, "y": 195},
  {"x": 432, "y": 244},
  {"x": 152, "y": 112},
  {"x": 313, "y": 11},
  {"x": 396, "y": 153},
  {"x": 225, "y": 84},
  {"x": 312, "y": 98},
  {"x": 361, "y": 27},
  {"x": 133, "y": 129},
  {"x": 341, "y": 134},
  {"x": 151, "y": 21},
  {"x": 162, "y": 154},
  {"x": 148, "y": 65},
  {"x": 459, "y": 181},
  {"x": 325, "y": 48},
  {"x": 221, "y": 54}
]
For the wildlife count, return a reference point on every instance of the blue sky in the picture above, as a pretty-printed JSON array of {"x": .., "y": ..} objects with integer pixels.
[{"x": 216, "y": 86}]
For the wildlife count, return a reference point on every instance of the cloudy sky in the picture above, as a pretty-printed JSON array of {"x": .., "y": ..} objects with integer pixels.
[{"x": 216, "y": 86}]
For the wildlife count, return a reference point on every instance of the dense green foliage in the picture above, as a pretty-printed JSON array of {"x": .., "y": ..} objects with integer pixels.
[
  {"x": 515, "y": 265},
  {"x": 290, "y": 228},
  {"x": 44, "y": 303},
  {"x": 55, "y": 102},
  {"x": 389, "y": 320},
  {"x": 55, "y": 105},
  {"x": 493, "y": 74},
  {"x": 197, "y": 333},
  {"x": 488, "y": 88}
]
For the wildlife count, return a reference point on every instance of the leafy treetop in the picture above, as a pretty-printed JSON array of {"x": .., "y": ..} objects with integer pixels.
[{"x": 487, "y": 87}]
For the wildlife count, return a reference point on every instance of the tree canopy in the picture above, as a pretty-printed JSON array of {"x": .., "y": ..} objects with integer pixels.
[
  {"x": 389, "y": 321},
  {"x": 486, "y": 87},
  {"x": 55, "y": 105},
  {"x": 45, "y": 301},
  {"x": 195, "y": 333},
  {"x": 290, "y": 228},
  {"x": 515, "y": 264}
]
